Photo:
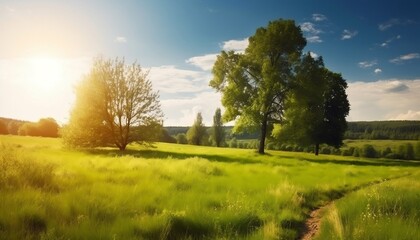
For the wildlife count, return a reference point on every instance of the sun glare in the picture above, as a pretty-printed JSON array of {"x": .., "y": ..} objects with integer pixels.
[{"x": 44, "y": 73}]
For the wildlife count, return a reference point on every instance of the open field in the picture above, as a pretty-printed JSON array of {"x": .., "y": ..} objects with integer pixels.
[{"x": 187, "y": 192}]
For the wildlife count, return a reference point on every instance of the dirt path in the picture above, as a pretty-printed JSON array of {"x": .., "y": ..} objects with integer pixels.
[{"x": 313, "y": 222}]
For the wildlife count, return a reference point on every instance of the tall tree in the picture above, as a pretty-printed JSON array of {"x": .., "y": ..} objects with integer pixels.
[
  {"x": 218, "y": 133},
  {"x": 317, "y": 107},
  {"x": 48, "y": 127},
  {"x": 197, "y": 132},
  {"x": 255, "y": 84},
  {"x": 115, "y": 105}
]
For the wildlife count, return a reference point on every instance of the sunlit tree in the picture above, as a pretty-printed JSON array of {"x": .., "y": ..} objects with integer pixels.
[
  {"x": 254, "y": 85},
  {"x": 3, "y": 128},
  {"x": 196, "y": 134},
  {"x": 217, "y": 131},
  {"x": 115, "y": 105},
  {"x": 47, "y": 127}
]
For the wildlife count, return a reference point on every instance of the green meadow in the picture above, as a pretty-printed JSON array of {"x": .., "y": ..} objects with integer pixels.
[{"x": 171, "y": 191}]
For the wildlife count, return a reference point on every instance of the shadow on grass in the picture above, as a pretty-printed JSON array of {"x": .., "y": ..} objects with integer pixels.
[
  {"x": 153, "y": 153},
  {"x": 368, "y": 162},
  {"x": 158, "y": 154}
]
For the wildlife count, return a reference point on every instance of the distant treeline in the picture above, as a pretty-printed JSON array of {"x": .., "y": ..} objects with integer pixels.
[
  {"x": 377, "y": 130},
  {"x": 381, "y": 130},
  {"x": 45, "y": 127},
  {"x": 173, "y": 131}
]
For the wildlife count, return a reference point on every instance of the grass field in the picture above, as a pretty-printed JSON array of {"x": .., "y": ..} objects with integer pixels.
[{"x": 175, "y": 191}]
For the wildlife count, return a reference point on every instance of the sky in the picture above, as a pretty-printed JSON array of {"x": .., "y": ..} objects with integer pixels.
[{"x": 46, "y": 47}]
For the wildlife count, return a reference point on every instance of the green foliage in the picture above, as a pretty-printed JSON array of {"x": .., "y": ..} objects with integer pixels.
[
  {"x": 381, "y": 130},
  {"x": 115, "y": 105},
  {"x": 317, "y": 107},
  {"x": 197, "y": 133},
  {"x": 218, "y": 133},
  {"x": 254, "y": 85},
  {"x": 233, "y": 143},
  {"x": 165, "y": 137},
  {"x": 368, "y": 151},
  {"x": 181, "y": 138}
]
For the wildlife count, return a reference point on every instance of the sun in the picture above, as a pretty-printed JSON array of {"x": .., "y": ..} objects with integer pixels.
[{"x": 44, "y": 73}]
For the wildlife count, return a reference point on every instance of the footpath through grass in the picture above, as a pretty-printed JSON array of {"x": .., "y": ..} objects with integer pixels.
[{"x": 170, "y": 191}]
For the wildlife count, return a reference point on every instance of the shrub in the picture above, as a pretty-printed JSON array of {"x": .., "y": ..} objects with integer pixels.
[
  {"x": 368, "y": 151},
  {"x": 325, "y": 150},
  {"x": 356, "y": 152},
  {"x": 181, "y": 138},
  {"x": 270, "y": 146},
  {"x": 417, "y": 151},
  {"x": 233, "y": 143},
  {"x": 406, "y": 151},
  {"x": 348, "y": 152},
  {"x": 386, "y": 152}
]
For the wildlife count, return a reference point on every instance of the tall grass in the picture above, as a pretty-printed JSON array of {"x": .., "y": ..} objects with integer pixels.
[
  {"x": 168, "y": 192},
  {"x": 389, "y": 210}
]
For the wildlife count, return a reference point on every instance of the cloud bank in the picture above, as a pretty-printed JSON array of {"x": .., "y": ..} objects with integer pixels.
[{"x": 384, "y": 100}]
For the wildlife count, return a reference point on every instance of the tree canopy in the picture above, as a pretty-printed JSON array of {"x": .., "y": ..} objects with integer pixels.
[
  {"x": 196, "y": 134},
  {"x": 255, "y": 84},
  {"x": 317, "y": 107},
  {"x": 115, "y": 105},
  {"x": 217, "y": 132}
]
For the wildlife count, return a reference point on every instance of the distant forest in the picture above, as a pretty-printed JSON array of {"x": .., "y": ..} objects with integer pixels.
[
  {"x": 376, "y": 130},
  {"x": 381, "y": 130}
]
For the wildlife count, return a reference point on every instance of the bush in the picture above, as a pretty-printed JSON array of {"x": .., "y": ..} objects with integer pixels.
[
  {"x": 356, "y": 152},
  {"x": 181, "y": 138},
  {"x": 386, "y": 152},
  {"x": 325, "y": 150},
  {"x": 417, "y": 151},
  {"x": 368, "y": 151},
  {"x": 233, "y": 143},
  {"x": 270, "y": 146},
  {"x": 406, "y": 151},
  {"x": 348, "y": 152}
]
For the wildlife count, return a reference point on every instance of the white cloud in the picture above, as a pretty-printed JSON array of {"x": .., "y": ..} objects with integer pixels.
[
  {"x": 378, "y": 70},
  {"x": 392, "y": 22},
  {"x": 310, "y": 28},
  {"x": 317, "y": 17},
  {"x": 313, "y": 55},
  {"x": 383, "y": 100},
  {"x": 183, "y": 111},
  {"x": 387, "y": 42},
  {"x": 204, "y": 62},
  {"x": 169, "y": 79},
  {"x": 120, "y": 39},
  {"x": 409, "y": 115},
  {"x": 367, "y": 64},
  {"x": 314, "y": 39},
  {"x": 406, "y": 57},
  {"x": 235, "y": 45},
  {"x": 347, "y": 34}
]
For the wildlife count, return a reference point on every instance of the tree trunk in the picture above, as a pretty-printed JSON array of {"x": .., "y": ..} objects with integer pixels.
[
  {"x": 122, "y": 146},
  {"x": 263, "y": 135},
  {"x": 316, "y": 149}
]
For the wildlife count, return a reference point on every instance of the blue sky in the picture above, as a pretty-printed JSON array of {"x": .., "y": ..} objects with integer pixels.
[{"x": 374, "y": 44}]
